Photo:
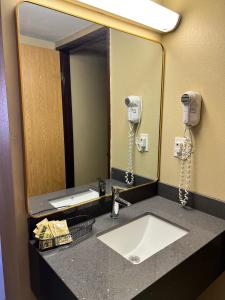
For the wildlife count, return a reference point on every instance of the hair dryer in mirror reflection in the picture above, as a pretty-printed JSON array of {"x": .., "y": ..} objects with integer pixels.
[
  {"x": 191, "y": 117},
  {"x": 134, "y": 106}
]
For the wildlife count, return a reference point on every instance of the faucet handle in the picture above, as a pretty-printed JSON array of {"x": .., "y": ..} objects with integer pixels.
[
  {"x": 101, "y": 186},
  {"x": 117, "y": 189}
]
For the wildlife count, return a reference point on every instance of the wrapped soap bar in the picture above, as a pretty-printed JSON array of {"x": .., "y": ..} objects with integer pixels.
[
  {"x": 52, "y": 233},
  {"x": 42, "y": 230},
  {"x": 61, "y": 228},
  {"x": 45, "y": 233},
  {"x": 58, "y": 228}
]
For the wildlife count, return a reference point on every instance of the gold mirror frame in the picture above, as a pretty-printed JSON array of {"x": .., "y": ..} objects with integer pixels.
[{"x": 76, "y": 9}]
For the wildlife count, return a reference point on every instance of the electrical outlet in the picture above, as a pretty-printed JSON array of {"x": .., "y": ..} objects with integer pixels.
[
  {"x": 178, "y": 146},
  {"x": 144, "y": 142}
]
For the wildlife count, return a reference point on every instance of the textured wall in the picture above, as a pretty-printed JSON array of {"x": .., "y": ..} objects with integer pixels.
[{"x": 195, "y": 60}]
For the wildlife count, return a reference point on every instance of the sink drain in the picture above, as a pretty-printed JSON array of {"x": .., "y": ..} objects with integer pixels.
[{"x": 134, "y": 259}]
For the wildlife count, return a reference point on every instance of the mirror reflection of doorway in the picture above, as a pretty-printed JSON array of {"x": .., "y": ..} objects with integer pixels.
[
  {"x": 90, "y": 122},
  {"x": 67, "y": 99}
]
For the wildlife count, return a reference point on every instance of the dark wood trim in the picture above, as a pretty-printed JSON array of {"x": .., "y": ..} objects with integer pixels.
[
  {"x": 140, "y": 193},
  {"x": 205, "y": 204},
  {"x": 82, "y": 42},
  {"x": 119, "y": 175},
  {"x": 67, "y": 119}
]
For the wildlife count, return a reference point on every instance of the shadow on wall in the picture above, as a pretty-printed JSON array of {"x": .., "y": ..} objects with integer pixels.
[{"x": 2, "y": 291}]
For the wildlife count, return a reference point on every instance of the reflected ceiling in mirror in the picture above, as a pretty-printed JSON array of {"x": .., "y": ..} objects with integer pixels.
[{"x": 80, "y": 137}]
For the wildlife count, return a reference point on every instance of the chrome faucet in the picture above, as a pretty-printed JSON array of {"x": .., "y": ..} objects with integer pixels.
[{"x": 117, "y": 201}]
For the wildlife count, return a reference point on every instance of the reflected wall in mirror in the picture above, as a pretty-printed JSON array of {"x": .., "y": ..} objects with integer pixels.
[{"x": 75, "y": 77}]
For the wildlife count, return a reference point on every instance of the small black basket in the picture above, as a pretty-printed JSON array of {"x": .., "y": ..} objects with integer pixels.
[{"x": 79, "y": 227}]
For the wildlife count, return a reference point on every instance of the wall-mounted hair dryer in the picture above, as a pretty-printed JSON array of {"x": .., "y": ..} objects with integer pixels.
[
  {"x": 134, "y": 104},
  {"x": 191, "y": 117},
  {"x": 134, "y": 107},
  {"x": 192, "y": 108}
]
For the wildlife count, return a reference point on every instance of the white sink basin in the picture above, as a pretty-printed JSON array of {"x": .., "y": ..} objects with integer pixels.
[
  {"x": 143, "y": 237},
  {"x": 74, "y": 199}
]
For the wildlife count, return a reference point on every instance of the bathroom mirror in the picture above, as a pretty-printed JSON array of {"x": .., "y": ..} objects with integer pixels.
[{"x": 75, "y": 76}]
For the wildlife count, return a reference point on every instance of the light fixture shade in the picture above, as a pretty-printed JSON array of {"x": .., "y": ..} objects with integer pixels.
[{"x": 145, "y": 12}]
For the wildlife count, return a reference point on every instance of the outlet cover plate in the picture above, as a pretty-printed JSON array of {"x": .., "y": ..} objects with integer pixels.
[{"x": 178, "y": 145}]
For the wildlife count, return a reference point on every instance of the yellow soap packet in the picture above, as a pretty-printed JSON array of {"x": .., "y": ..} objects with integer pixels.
[
  {"x": 51, "y": 225},
  {"x": 43, "y": 222},
  {"x": 42, "y": 230},
  {"x": 37, "y": 231},
  {"x": 61, "y": 228},
  {"x": 45, "y": 233},
  {"x": 50, "y": 229}
]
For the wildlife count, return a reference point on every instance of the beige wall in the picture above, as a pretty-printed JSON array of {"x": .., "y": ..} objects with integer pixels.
[
  {"x": 135, "y": 69},
  {"x": 195, "y": 55},
  {"x": 195, "y": 60},
  {"x": 90, "y": 116}
]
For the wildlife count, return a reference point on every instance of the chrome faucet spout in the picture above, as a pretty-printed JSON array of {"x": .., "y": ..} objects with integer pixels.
[
  {"x": 117, "y": 201},
  {"x": 123, "y": 202}
]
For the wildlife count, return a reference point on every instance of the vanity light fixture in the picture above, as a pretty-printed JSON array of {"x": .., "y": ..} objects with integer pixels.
[{"x": 145, "y": 12}]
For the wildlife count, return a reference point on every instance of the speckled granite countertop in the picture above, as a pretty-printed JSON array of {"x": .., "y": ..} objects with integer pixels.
[
  {"x": 93, "y": 271},
  {"x": 40, "y": 204}
]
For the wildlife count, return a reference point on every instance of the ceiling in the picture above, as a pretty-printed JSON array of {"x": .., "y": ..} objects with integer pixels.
[{"x": 47, "y": 24}]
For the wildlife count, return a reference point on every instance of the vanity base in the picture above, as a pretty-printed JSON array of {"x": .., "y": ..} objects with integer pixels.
[
  {"x": 45, "y": 284},
  {"x": 183, "y": 270},
  {"x": 187, "y": 281}
]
